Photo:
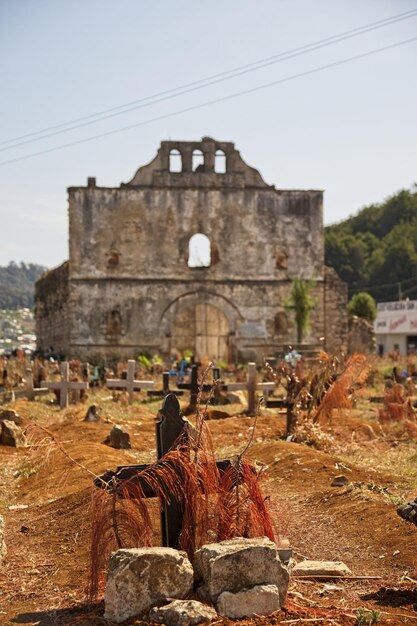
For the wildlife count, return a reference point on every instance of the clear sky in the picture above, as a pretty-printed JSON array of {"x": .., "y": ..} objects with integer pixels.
[{"x": 350, "y": 129}]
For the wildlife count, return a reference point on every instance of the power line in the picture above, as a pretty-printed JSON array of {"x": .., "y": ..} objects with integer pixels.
[
  {"x": 398, "y": 283},
  {"x": 95, "y": 118},
  {"x": 211, "y": 102}
]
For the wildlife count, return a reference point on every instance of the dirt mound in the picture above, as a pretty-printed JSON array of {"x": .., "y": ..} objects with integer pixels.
[{"x": 45, "y": 497}]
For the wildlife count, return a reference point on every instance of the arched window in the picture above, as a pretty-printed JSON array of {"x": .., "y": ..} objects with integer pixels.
[
  {"x": 198, "y": 159},
  {"x": 175, "y": 161},
  {"x": 199, "y": 254},
  {"x": 220, "y": 162}
]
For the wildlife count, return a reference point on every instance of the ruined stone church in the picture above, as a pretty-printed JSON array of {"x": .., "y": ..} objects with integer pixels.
[{"x": 195, "y": 253}]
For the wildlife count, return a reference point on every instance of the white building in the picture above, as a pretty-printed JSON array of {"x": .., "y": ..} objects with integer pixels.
[{"x": 396, "y": 327}]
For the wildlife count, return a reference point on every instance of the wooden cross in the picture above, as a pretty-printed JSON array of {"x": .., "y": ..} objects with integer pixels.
[
  {"x": 169, "y": 427},
  {"x": 30, "y": 391},
  {"x": 165, "y": 388},
  {"x": 130, "y": 384},
  {"x": 251, "y": 386},
  {"x": 194, "y": 387},
  {"x": 64, "y": 385}
]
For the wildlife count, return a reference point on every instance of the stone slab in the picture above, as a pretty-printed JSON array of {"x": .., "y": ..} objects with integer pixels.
[
  {"x": 183, "y": 613},
  {"x": 259, "y": 600},
  {"x": 321, "y": 568}
]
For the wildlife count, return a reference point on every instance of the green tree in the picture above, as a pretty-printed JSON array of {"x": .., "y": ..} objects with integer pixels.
[
  {"x": 376, "y": 250},
  {"x": 362, "y": 304},
  {"x": 302, "y": 303}
]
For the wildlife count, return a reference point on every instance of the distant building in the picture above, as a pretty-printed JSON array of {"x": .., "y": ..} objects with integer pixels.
[
  {"x": 396, "y": 327},
  {"x": 195, "y": 253}
]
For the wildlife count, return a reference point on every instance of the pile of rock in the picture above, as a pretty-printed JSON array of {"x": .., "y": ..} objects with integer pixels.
[
  {"x": 242, "y": 576},
  {"x": 235, "y": 578}
]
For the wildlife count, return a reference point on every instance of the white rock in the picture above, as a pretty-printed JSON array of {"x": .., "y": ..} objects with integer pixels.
[
  {"x": 139, "y": 578},
  {"x": 182, "y": 613},
  {"x": 238, "y": 564},
  {"x": 3, "y": 550},
  {"x": 321, "y": 568},
  {"x": 259, "y": 600}
]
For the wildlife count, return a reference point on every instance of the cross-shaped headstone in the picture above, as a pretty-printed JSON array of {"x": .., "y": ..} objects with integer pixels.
[
  {"x": 30, "y": 391},
  {"x": 169, "y": 427},
  {"x": 130, "y": 384},
  {"x": 251, "y": 386},
  {"x": 64, "y": 385},
  {"x": 194, "y": 387},
  {"x": 165, "y": 388}
]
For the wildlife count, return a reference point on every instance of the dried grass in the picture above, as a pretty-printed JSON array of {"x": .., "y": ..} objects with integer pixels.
[
  {"x": 339, "y": 394},
  {"x": 215, "y": 505}
]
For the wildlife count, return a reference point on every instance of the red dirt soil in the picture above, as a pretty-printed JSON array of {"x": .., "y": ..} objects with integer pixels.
[{"x": 44, "y": 576}]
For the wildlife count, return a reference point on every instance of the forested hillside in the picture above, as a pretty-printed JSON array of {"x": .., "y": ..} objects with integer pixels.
[
  {"x": 17, "y": 284},
  {"x": 376, "y": 250}
]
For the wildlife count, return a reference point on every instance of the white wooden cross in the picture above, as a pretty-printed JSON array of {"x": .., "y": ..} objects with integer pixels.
[
  {"x": 30, "y": 391},
  {"x": 64, "y": 385},
  {"x": 251, "y": 387},
  {"x": 130, "y": 384}
]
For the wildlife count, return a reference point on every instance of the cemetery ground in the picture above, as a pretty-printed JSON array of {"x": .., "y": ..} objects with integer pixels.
[{"x": 45, "y": 499}]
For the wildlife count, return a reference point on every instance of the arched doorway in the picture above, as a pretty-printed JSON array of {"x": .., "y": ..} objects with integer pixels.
[{"x": 204, "y": 329}]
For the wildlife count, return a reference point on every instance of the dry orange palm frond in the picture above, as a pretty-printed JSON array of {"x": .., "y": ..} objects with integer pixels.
[
  {"x": 394, "y": 394},
  {"x": 215, "y": 506},
  {"x": 339, "y": 394}
]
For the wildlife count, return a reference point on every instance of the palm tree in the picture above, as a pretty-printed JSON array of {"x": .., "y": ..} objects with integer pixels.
[{"x": 302, "y": 303}]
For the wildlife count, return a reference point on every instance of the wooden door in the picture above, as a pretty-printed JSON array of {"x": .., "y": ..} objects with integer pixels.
[{"x": 204, "y": 330}]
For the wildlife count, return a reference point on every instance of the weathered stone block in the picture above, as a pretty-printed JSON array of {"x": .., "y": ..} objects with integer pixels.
[
  {"x": 238, "y": 564},
  {"x": 321, "y": 568},
  {"x": 139, "y": 578},
  {"x": 182, "y": 613},
  {"x": 12, "y": 435},
  {"x": 3, "y": 550},
  {"x": 119, "y": 438},
  {"x": 93, "y": 414},
  {"x": 339, "y": 481},
  {"x": 259, "y": 600}
]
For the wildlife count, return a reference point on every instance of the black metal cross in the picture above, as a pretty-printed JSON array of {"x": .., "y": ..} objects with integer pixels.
[
  {"x": 169, "y": 427},
  {"x": 165, "y": 388},
  {"x": 194, "y": 387}
]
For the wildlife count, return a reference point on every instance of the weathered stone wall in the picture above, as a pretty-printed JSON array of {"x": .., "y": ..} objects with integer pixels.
[
  {"x": 51, "y": 310},
  {"x": 361, "y": 336},
  {"x": 255, "y": 234},
  {"x": 336, "y": 317},
  {"x": 131, "y": 288},
  {"x": 138, "y": 316}
]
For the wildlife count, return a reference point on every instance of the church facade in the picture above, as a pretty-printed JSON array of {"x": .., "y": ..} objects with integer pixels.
[{"x": 195, "y": 253}]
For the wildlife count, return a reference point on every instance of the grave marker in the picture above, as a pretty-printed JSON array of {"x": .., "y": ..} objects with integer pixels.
[
  {"x": 194, "y": 387},
  {"x": 64, "y": 385},
  {"x": 29, "y": 391},
  {"x": 169, "y": 427},
  {"x": 251, "y": 386},
  {"x": 130, "y": 384},
  {"x": 165, "y": 388}
]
